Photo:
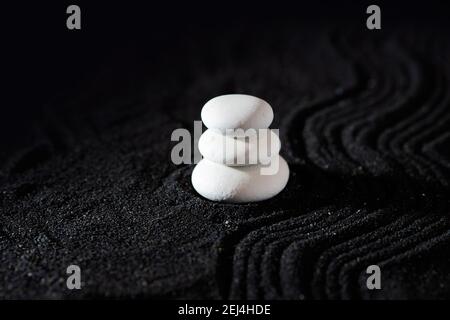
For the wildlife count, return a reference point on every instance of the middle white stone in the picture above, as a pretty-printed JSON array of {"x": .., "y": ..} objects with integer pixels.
[{"x": 238, "y": 147}]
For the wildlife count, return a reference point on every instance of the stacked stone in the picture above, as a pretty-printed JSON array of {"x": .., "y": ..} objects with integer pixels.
[{"x": 239, "y": 166}]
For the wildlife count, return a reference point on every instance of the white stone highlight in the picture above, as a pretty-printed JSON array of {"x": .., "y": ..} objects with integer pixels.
[
  {"x": 219, "y": 182},
  {"x": 239, "y": 147},
  {"x": 233, "y": 111}
]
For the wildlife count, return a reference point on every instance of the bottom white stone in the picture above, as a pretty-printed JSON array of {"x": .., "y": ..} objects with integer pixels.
[{"x": 219, "y": 182}]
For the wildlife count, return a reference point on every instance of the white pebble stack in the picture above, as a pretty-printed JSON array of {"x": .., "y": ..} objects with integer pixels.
[{"x": 219, "y": 176}]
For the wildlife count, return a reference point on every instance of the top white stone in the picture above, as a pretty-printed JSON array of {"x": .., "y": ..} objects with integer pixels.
[{"x": 232, "y": 111}]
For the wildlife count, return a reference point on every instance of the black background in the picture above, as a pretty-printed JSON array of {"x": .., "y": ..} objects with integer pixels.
[{"x": 42, "y": 59}]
